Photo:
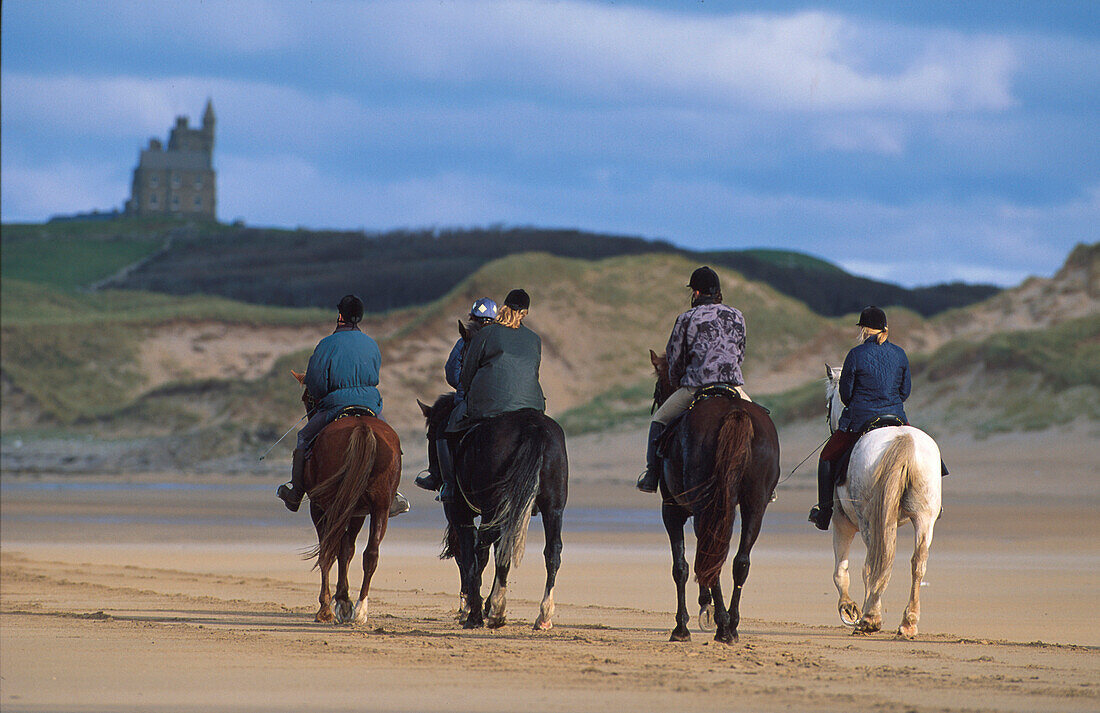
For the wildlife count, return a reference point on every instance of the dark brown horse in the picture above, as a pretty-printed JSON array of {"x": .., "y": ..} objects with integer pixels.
[
  {"x": 504, "y": 467},
  {"x": 723, "y": 454},
  {"x": 353, "y": 473}
]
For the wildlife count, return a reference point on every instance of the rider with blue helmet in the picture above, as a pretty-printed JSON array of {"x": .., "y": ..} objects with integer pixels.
[{"x": 482, "y": 312}]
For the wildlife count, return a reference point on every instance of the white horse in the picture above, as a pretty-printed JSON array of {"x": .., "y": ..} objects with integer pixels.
[{"x": 893, "y": 476}]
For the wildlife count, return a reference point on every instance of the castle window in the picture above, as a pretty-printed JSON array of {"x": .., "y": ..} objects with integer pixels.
[
  {"x": 154, "y": 180},
  {"x": 198, "y": 201},
  {"x": 152, "y": 199},
  {"x": 175, "y": 180},
  {"x": 198, "y": 183},
  {"x": 175, "y": 202}
]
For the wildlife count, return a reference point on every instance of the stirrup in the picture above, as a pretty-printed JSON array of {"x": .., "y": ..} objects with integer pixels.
[
  {"x": 429, "y": 481},
  {"x": 645, "y": 484},
  {"x": 399, "y": 505}
]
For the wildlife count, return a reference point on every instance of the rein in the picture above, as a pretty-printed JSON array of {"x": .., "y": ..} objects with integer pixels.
[{"x": 788, "y": 475}]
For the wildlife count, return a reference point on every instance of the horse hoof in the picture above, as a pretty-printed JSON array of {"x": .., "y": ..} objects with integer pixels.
[
  {"x": 543, "y": 625},
  {"x": 706, "y": 618},
  {"x": 324, "y": 616},
  {"x": 906, "y": 632},
  {"x": 344, "y": 612},
  {"x": 849, "y": 614},
  {"x": 725, "y": 637},
  {"x": 496, "y": 622},
  {"x": 472, "y": 623},
  {"x": 866, "y": 627},
  {"x": 678, "y": 635}
]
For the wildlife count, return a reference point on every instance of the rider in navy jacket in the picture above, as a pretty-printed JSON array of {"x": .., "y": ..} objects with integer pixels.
[{"x": 874, "y": 382}]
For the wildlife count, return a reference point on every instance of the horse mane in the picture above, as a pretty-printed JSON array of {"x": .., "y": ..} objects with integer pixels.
[{"x": 732, "y": 456}]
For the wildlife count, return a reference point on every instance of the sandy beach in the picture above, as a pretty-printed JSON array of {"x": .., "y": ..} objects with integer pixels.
[{"x": 163, "y": 592}]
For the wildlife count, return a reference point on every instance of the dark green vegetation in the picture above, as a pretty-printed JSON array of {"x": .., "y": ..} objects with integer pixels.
[{"x": 299, "y": 268}]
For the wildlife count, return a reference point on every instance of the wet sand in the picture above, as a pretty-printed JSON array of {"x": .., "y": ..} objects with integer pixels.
[{"x": 158, "y": 593}]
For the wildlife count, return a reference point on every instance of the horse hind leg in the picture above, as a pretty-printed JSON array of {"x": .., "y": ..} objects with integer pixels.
[
  {"x": 674, "y": 524},
  {"x": 498, "y": 595},
  {"x": 876, "y": 575},
  {"x": 706, "y": 609},
  {"x": 922, "y": 535},
  {"x": 752, "y": 517},
  {"x": 551, "y": 525},
  {"x": 725, "y": 630},
  {"x": 379, "y": 519},
  {"x": 324, "y": 613},
  {"x": 843, "y": 533},
  {"x": 343, "y": 608}
]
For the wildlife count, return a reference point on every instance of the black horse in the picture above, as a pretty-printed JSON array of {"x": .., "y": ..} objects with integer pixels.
[
  {"x": 505, "y": 466},
  {"x": 724, "y": 453}
]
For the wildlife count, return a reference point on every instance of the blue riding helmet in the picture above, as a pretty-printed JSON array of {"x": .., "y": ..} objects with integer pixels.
[{"x": 484, "y": 309}]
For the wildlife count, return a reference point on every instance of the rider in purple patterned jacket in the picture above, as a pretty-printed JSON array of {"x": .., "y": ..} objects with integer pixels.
[{"x": 706, "y": 347}]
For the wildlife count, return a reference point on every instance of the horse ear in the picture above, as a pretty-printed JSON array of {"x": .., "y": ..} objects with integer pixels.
[
  {"x": 425, "y": 408},
  {"x": 828, "y": 371},
  {"x": 300, "y": 377},
  {"x": 462, "y": 330},
  {"x": 654, "y": 359}
]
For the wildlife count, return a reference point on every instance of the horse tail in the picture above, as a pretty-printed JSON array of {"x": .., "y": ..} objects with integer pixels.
[
  {"x": 340, "y": 494},
  {"x": 517, "y": 497},
  {"x": 889, "y": 482},
  {"x": 450, "y": 542},
  {"x": 731, "y": 457}
]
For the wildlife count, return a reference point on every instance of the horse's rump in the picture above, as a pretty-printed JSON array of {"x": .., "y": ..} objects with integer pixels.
[
  {"x": 345, "y": 457},
  {"x": 732, "y": 455}
]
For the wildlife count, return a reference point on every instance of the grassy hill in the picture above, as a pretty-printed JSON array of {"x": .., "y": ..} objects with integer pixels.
[
  {"x": 192, "y": 378},
  {"x": 301, "y": 268}
]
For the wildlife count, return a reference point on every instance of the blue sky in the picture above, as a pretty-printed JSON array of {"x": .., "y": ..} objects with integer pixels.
[{"x": 912, "y": 142}]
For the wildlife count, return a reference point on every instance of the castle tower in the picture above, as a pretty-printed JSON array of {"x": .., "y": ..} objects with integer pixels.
[{"x": 180, "y": 180}]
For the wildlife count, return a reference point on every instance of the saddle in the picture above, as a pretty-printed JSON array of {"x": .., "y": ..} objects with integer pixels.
[
  {"x": 876, "y": 422},
  {"x": 707, "y": 392},
  {"x": 350, "y": 411}
]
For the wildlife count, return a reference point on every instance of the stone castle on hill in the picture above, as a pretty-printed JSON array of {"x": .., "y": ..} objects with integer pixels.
[{"x": 180, "y": 180}]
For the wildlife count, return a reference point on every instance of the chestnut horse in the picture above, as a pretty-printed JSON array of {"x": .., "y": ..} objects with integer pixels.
[
  {"x": 353, "y": 472},
  {"x": 723, "y": 454}
]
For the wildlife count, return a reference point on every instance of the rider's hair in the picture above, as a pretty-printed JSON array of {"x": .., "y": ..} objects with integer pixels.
[
  {"x": 510, "y": 317},
  {"x": 880, "y": 335},
  {"x": 714, "y": 298}
]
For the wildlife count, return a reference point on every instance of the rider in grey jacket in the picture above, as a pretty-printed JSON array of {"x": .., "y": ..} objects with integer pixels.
[{"x": 706, "y": 347}]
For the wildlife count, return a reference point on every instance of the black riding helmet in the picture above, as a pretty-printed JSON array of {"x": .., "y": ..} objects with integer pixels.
[
  {"x": 705, "y": 281},
  {"x": 351, "y": 309},
  {"x": 872, "y": 317}
]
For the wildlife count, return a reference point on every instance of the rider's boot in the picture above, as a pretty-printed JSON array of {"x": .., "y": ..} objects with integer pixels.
[
  {"x": 647, "y": 481},
  {"x": 291, "y": 493},
  {"x": 399, "y": 505},
  {"x": 822, "y": 513},
  {"x": 432, "y": 480},
  {"x": 449, "y": 489}
]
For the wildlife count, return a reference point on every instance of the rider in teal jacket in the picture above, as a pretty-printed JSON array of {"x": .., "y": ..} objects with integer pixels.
[{"x": 343, "y": 371}]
